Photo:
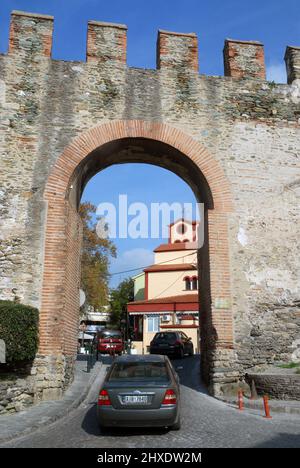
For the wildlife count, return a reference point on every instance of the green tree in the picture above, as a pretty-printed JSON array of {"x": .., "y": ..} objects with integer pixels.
[
  {"x": 119, "y": 298},
  {"x": 96, "y": 253}
]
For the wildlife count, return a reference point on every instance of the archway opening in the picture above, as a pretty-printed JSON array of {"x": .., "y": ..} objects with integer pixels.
[
  {"x": 79, "y": 163},
  {"x": 144, "y": 207},
  {"x": 162, "y": 277},
  {"x": 140, "y": 150}
]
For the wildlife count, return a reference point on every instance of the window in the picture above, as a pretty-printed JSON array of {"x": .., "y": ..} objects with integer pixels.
[
  {"x": 137, "y": 325},
  {"x": 136, "y": 371},
  {"x": 168, "y": 337},
  {"x": 181, "y": 229},
  {"x": 188, "y": 285},
  {"x": 191, "y": 284},
  {"x": 195, "y": 283},
  {"x": 153, "y": 324}
]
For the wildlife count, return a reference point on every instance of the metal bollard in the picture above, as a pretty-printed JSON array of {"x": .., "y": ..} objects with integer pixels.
[
  {"x": 267, "y": 408},
  {"x": 88, "y": 364},
  {"x": 240, "y": 400}
]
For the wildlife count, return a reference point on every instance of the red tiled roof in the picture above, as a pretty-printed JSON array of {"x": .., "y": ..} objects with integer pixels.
[
  {"x": 182, "y": 220},
  {"x": 176, "y": 246},
  {"x": 184, "y": 298},
  {"x": 171, "y": 267}
]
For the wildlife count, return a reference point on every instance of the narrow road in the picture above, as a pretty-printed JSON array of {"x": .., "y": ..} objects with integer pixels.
[{"x": 206, "y": 423}]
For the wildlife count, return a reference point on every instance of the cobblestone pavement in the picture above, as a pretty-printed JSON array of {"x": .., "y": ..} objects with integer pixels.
[{"x": 206, "y": 423}]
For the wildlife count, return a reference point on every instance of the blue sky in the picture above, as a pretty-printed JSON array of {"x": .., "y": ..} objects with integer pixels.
[
  {"x": 142, "y": 183},
  {"x": 274, "y": 22}
]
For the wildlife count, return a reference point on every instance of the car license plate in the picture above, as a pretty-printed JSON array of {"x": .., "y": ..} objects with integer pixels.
[{"x": 134, "y": 399}]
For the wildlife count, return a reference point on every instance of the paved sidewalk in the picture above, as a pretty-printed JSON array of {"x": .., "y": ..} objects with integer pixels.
[
  {"x": 19, "y": 424},
  {"x": 276, "y": 406}
]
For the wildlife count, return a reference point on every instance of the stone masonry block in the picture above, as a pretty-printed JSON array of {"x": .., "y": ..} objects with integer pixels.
[
  {"x": 244, "y": 59},
  {"x": 292, "y": 60},
  {"x": 176, "y": 50},
  {"x": 106, "y": 42},
  {"x": 30, "y": 34}
]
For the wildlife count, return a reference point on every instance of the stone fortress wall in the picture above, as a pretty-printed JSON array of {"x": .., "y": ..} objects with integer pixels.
[{"x": 250, "y": 127}]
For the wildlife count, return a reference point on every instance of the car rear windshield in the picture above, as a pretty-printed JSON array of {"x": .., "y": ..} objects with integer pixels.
[
  {"x": 168, "y": 337},
  {"x": 140, "y": 371},
  {"x": 110, "y": 335}
]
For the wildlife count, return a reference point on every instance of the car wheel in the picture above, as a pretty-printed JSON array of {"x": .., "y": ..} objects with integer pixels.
[
  {"x": 181, "y": 353},
  {"x": 176, "y": 426}
]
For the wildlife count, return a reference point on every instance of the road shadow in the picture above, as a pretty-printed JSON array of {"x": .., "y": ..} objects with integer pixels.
[
  {"x": 106, "y": 359},
  {"x": 90, "y": 426},
  {"x": 190, "y": 374},
  {"x": 283, "y": 440}
]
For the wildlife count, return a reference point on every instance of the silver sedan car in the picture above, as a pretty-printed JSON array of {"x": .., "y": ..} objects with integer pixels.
[{"x": 140, "y": 391}]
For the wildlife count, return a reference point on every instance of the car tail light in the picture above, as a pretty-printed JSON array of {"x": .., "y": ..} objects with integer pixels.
[
  {"x": 103, "y": 399},
  {"x": 170, "y": 398}
]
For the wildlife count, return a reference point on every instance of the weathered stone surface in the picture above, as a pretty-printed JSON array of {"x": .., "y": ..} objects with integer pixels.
[
  {"x": 292, "y": 60},
  {"x": 16, "y": 394},
  {"x": 244, "y": 59},
  {"x": 250, "y": 126},
  {"x": 280, "y": 386}
]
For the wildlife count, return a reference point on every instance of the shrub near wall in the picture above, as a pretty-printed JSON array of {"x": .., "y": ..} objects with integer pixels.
[{"x": 19, "y": 330}]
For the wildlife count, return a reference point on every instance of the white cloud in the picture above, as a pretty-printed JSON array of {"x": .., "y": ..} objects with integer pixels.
[
  {"x": 128, "y": 260},
  {"x": 277, "y": 72}
]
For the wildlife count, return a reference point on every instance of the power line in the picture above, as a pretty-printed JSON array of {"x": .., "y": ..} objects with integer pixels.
[
  {"x": 145, "y": 266},
  {"x": 172, "y": 284}
]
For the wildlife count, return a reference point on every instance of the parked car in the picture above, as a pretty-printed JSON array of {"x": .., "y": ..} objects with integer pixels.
[
  {"x": 175, "y": 343},
  {"x": 140, "y": 391},
  {"x": 109, "y": 342}
]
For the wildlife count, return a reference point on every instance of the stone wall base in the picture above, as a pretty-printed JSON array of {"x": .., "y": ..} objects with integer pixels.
[
  {"x": 49, "y": 377},
  {"x": 52, "y": 375},
  {"x": 220, "y": 372},
  {"x": 278, "y": 386}
]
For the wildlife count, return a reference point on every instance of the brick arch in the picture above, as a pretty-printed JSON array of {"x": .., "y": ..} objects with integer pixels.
[
  {"x": 59, "y": 300},
  {"x": 88, "y": 141}
]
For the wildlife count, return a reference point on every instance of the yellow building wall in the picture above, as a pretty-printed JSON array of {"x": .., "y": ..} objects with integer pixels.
[
  {"x": 168, "y": 283},
  {"x": 176, "y": 257}
]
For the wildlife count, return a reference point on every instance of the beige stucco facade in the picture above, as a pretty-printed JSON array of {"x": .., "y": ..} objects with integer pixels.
[
  {"x": 170, "y": 295},
  {"x": 168, "y": 283},
  {"x": 176, "y": 257}
]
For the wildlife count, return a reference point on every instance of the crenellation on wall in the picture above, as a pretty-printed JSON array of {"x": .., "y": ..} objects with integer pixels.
[
  {"x": 106, "y": 42},
  {"x": 244, "y": 59},
  {"x": 292, "y": 60},
  {"x": 30, "y": 35},
  {"x": 176, "y": 50}
]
